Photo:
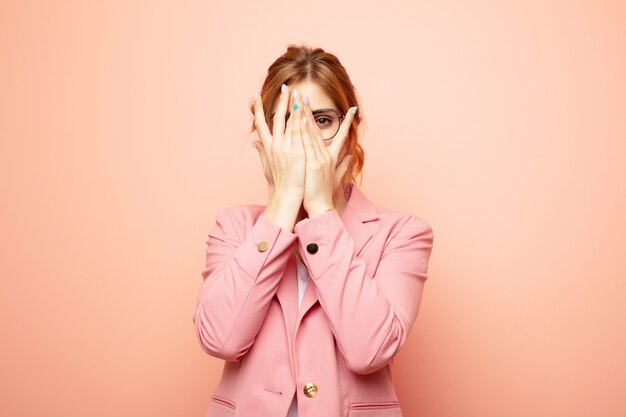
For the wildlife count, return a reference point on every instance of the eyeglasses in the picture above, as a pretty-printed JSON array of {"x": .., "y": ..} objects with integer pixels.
[{"x": 328, "y": 121}]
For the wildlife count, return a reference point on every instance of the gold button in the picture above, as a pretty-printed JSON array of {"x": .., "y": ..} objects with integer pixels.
[
  {"x": 310, "y": 389},
  {"x": 262, "y": 247}
]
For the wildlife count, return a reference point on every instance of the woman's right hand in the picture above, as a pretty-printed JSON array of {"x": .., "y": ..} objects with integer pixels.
[
  {"x": 282, "y": 154},
  {"x": 281, "y": 151}
]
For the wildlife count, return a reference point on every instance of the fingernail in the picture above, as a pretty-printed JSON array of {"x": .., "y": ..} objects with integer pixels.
[
  {"x": 295, "y": 106},
  {"x": 256, "y": 96},
  {"x": 283, "y": 88},
  {"x": 295, "y": 93},
  {"x": 354, "y": 110},
  {"x": 306, "y": 100}
]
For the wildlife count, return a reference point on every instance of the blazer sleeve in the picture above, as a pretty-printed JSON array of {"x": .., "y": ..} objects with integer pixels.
[
  {"x": 370, "y": 316},
  {"x": 240, "y": 279}
]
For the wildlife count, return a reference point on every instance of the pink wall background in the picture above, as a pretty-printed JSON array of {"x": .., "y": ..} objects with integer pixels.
[{"x": 123, "y": 128}]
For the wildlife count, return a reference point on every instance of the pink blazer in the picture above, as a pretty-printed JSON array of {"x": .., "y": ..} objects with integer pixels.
[{"x": 367, "y": 269}]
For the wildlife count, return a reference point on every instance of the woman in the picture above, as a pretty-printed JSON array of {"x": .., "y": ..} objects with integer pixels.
[{"x": 308, "y": 298}]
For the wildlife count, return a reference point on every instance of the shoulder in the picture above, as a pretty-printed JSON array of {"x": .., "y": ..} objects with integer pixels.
[
  {"x": 400, "y": 223},
  {"x": 382, "y": 219},
  {"x": 238, "y": 219}
]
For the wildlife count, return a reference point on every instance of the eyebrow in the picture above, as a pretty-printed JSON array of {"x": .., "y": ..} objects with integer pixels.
[{"x": 313, "y": 111}]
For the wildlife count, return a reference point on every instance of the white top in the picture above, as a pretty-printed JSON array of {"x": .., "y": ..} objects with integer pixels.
[{"x": 303, "y": 279}]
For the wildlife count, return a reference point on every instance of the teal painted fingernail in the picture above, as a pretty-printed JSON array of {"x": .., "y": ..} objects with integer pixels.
[
  {"x": 354, "y": 110},
  {"x": 295, "y": 106}
]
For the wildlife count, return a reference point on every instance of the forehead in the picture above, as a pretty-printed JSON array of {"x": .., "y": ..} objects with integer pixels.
[{"x": 318, "y": 99}]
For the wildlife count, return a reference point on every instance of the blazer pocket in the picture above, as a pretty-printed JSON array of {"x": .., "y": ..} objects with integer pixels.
[
  {"x": 375, "y": 405},
  {"x": 226, "y": 403},
  {"x": 375, "y": 409}
]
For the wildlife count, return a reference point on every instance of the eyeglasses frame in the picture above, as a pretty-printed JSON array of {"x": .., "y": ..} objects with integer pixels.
[{"x": 340, "y": 117}]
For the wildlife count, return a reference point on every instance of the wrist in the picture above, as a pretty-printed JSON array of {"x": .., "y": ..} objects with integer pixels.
[{"x": 316, "y": 211}]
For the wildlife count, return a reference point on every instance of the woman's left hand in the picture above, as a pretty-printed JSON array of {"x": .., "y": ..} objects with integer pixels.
[{"x": 322, "y": 174}]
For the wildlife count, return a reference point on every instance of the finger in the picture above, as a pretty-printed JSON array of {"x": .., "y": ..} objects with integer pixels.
[
  {"x": 287, "y": 136},
  {"x": 342, "y": 134},
  {"x": 288, "y": 126},
  {"x": 296, "y": 114},
  {"x": 314, "y": 129},
  {"x": 267, "y": 172},
  {"x": 318, "y": 146},
  {"x": 278, "y": 121},
  {"x": 314, "y": 132},
  {"x": 259, "y": 147},
  {"x": 259, "y": 119},
  {"x": 342, "y": 168},
  {"x": 306, "y": 138}
]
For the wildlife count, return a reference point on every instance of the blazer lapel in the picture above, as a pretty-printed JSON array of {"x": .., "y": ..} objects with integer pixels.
[{"x": 358, "y": 212}]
